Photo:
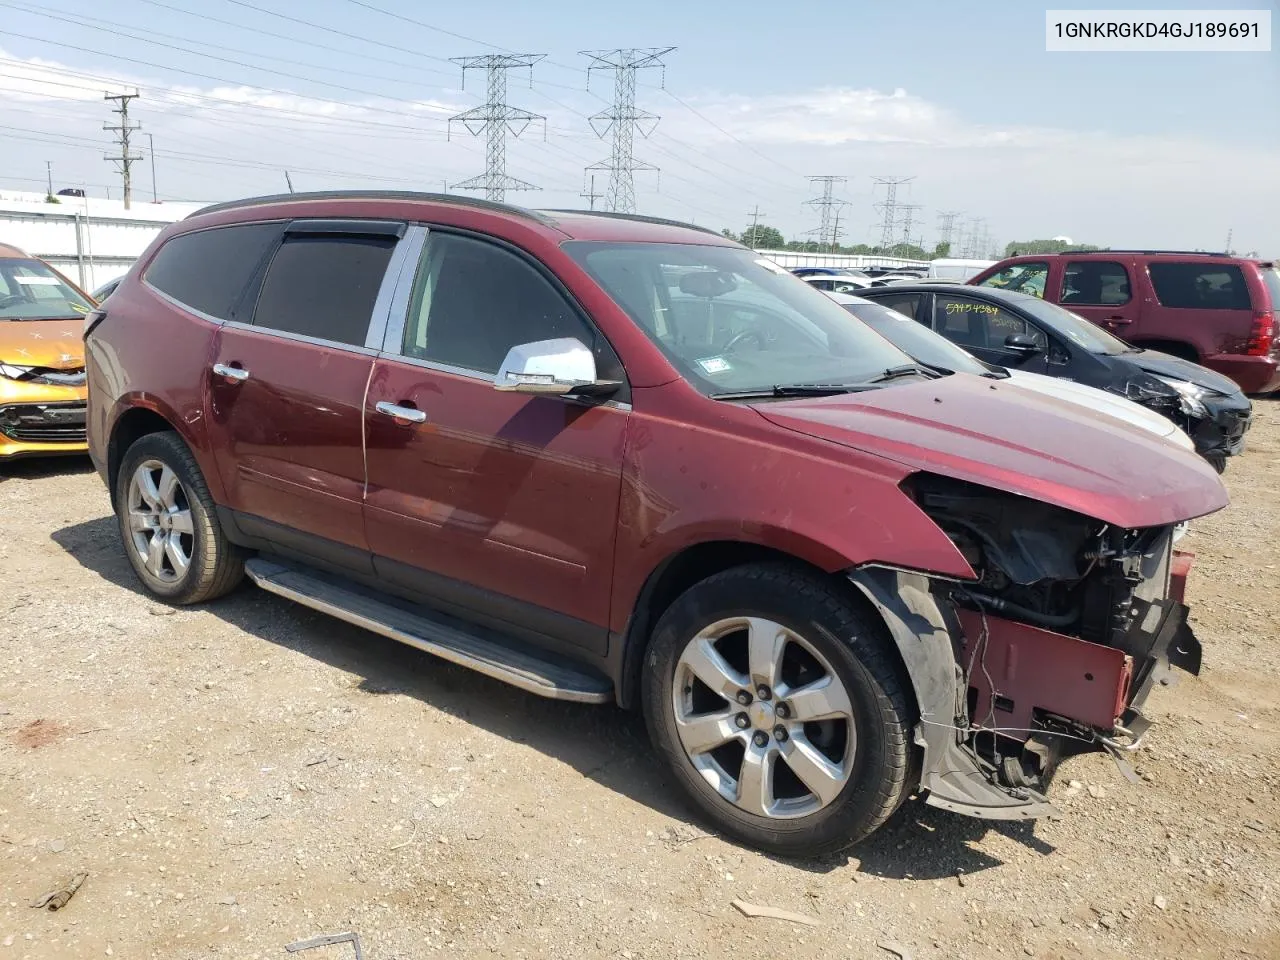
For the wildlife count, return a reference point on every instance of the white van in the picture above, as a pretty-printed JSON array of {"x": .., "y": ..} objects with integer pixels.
[{"x": 957, "y": 271}]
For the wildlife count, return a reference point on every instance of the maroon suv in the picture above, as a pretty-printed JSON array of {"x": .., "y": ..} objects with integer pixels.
[
  {"x": 609, "y": 458},
  {"x": 1209, "y": 308}
]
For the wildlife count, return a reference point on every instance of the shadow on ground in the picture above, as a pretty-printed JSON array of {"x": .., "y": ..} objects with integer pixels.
[
  {"x": 37, "y": 468},
  {"x": 605, "y": 744}
]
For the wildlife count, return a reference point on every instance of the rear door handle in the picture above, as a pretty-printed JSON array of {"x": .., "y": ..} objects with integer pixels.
[
  {"x": 403, "y": 414},
  {"x": 233, "y": 374}
]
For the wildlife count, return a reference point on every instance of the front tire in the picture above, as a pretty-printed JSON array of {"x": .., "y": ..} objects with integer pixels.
[
  {"x": 778, "y": 703},
  {"x": 169, "y": 526}
]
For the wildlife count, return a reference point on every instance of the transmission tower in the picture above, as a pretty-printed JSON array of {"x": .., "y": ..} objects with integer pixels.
[
  {"x": 122, "y": 130},
  {"x": 827, "y": 206},
  {"x": 495, "y": 119},
  {"x": 889, "y": 207},
  {"x": 975, "y": 230},
  {"x": 622, "y": 120},
  {"x": 908, "y": 213},
  {"x": 947, "y": 225}
]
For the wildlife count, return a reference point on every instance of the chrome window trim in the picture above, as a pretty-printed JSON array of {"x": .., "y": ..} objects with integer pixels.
[
  {"x": 300, "y": 338},
  {"x": 384, "y": 303},
  {"x": 413, "y": 242},
  {"x": 478, "y": 375}
]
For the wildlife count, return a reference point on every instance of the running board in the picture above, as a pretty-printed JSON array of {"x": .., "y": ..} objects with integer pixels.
[{"x": 448, "y": 640}]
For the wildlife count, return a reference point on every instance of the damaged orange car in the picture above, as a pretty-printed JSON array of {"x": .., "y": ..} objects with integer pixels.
[{"x": 42, "y": 382}]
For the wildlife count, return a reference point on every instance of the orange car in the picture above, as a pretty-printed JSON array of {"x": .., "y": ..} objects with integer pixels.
[{"x": 42, "y": 383}]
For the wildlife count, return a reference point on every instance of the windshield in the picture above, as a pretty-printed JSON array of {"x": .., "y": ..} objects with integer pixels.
[
  {"x": 916, "y": 340},
  {"x": 30, "y": 290},
  {"x": 1073, "y": 327},
  {"x": 732, "y": 321}
]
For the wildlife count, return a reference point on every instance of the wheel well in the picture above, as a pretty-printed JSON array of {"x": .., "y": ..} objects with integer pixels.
[
  {"x": 1175, "y": 347},
  {"x": 672, "y": 578},
  {"x": 130, "y": 427}
]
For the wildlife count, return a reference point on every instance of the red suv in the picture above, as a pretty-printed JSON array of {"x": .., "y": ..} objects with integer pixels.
[
  {"x": 1210, "y": 308},
  {"x": 614, "y": 459}
]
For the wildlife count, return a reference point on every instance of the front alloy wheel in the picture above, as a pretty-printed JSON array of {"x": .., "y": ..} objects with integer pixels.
[
  {"x": 775, "y": 697},
  {"x": 160, "y": 523},
  {"x": 763, "y": 717}
]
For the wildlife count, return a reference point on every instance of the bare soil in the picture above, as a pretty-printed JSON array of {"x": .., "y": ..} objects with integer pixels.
[{"x": 237, "y": 777}]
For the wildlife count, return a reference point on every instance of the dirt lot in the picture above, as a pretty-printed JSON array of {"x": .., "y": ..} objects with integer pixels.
[{"x": 249, "y": 774}]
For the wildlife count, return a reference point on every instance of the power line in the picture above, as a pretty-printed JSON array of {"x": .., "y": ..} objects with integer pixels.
[
  {"x": 123, "y": 129},
  {"x": 623, "y": 120},
  {"x": 495, "y": 119},
  {"x": 707, "y": 120},
  {"x": 826, "y": 205}
]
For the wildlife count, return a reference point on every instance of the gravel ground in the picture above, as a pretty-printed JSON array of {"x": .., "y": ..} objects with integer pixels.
[{"x": 241, "y": 776}]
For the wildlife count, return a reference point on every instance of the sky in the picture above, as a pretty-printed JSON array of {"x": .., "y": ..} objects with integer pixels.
[{"x": 1170, "y": 150}]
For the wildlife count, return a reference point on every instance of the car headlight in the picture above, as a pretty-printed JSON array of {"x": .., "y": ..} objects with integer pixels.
[
  {"x": 13, "y": 372},
  {"x": 1192, "y": 396}
]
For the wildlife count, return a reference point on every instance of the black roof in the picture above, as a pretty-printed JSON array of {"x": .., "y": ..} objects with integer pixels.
[{"x": 982, "y": 293}]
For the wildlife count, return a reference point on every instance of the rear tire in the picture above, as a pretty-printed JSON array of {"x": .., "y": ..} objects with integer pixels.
[
  {"x": 169, "y": 525},
  {"x": 824, "y": 755}
]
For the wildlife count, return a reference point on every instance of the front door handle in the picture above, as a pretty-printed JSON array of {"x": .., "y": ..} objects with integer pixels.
[
  {"x": 399, "y": 413},
  {"x": 231, "y": 374}
]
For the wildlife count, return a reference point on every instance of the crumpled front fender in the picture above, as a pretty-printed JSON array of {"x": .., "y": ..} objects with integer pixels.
[{"x": 925, "y": 634}]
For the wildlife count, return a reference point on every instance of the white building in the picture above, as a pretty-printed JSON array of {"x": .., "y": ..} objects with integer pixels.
[{"x": 89, "y": 239}]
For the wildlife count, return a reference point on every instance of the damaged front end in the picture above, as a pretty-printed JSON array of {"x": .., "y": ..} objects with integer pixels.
[{"x": 1050, "y": 651}]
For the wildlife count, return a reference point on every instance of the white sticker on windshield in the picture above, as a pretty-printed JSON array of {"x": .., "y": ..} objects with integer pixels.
[
  {"x": 715, "y": 364},
  {"x": 770, "y": 265},
  {"x": 38, "y": 281}
]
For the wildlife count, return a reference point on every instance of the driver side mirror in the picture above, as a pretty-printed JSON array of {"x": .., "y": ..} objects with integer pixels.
[
  {"x": 1022, "y": 343},
  {"x": 556, "y": 368}
]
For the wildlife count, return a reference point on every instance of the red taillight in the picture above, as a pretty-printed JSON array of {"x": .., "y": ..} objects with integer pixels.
[{"x": 1261, "y": 336}]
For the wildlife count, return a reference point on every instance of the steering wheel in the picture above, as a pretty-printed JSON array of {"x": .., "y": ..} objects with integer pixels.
[
  {"x": 738, "y": 338},
  {"x": 11, "y": 299}
]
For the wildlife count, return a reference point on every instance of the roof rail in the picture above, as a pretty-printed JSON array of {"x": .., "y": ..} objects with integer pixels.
[
  {"x": 1179, "y": 253},
  {"x": 451, "y": 198},
  {"x": 638, "y": 218}
]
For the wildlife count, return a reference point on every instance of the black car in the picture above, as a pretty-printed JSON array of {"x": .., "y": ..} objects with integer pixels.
[{"x": 1023, "y": 332}]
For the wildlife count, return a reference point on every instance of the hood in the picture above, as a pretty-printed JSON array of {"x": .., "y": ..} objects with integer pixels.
[
  {"x": 996, "y": 434},
  {"x": 43, "y": 343},
  {"x": 1108, "y": 404},
  {"x": 1175, "y": 368}
]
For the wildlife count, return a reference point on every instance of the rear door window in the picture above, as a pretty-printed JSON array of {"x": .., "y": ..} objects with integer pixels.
[
  {"x": 1200, "y": 286},
  {"x": 1095, "y": 283},
  {"x": 1020, "y": 277},
  {"x": 324, "y": 286},
  {"x": 208, "y": 270},
  {"x": 907, "y": 304},
  {"x": 1271, "y": 279}
]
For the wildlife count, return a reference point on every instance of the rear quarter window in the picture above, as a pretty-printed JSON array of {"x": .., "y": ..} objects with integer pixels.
[
  {"x": 1200, "y": 286},
  {"x": 208, "y": 270},
  {"x": 1271, "y": 280}
]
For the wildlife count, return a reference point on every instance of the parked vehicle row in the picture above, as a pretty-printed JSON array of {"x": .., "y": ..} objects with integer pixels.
[
  {"x": 1023, "y": 332},
  {"x": 614, "y": 459},
  {"x": 1212, "y": 309}
]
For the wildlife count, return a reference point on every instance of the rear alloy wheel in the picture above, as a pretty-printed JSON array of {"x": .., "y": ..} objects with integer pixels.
[
  {"x": 777, "y": 700},
  {"x": 160, "y": 524},
  {"x": 169, "y": 524}
]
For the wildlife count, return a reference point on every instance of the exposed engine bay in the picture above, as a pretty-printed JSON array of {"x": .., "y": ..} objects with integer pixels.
[{"x": 1058, "y": 641}]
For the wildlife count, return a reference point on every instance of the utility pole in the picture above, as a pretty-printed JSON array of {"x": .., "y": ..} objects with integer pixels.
[
  {"x": 947, "y": 225},
  {"x": 826, "y": 204},
  {"x": 755, "y": 225},
  {"x": 1226, "y": 249},
  {"x": 48, "y": 165},
  {"x": 622, "y": 120},
  {"x": 590, "y": 193},
  {"x": 288, "y": 182},
  {"x": 123, "y": 129},
  {"x": 889, "y": 208},
  {"x": 835, "y": 232},
  {"x": 495, "y": 118},
  {"x": 151, "y": 143}
]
